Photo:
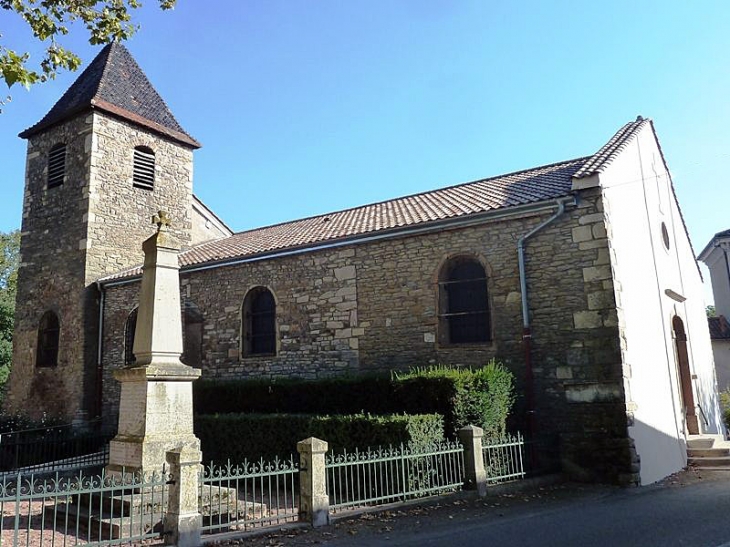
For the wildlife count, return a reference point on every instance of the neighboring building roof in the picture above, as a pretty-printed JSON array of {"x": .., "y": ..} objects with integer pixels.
[
  {"x": 521, "y": 188},
  {"x": 706, "y": 251},
  {"x": 719, "y": 328},
  {"x": 114, "y": 83},
  {"x": 610, "y": 151}
]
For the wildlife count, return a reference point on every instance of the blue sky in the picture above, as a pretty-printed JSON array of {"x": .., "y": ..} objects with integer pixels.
[{"x": 305, "y": 107}]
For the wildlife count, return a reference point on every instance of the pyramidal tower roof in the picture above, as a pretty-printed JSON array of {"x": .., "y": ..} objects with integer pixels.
[{"x": 114, "y": 83}]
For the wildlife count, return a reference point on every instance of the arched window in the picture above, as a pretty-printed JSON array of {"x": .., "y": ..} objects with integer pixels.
[
  {"x": 143, "y": 175},
  {"x": 129, "y": 328},
  {"x": 56, "y": 165},
  {"x": 463, "y": 302},
  {"x": 259, "y": 322},
  {"x": 192, "y": 335},
  {"x": 48, "y": 331}
]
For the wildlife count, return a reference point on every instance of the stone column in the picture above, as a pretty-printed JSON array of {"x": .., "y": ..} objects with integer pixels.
[
  {"x": 475, "y": 476},
  {"x": 314, "y": 503},
  {"x": 156, "y": 403},
  {"x": 183, "y": 520}
]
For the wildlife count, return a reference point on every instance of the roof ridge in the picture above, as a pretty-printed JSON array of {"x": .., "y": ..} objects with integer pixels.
[
  {"x": 407, "y": 196},
  {"x": 610, "y": 151}
]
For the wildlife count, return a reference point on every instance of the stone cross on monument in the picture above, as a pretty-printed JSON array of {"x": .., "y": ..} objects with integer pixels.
[{"x": 156, "y": 403}]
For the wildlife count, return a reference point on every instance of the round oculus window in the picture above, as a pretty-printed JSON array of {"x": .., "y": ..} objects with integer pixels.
[{"x": 665, "y": 236}]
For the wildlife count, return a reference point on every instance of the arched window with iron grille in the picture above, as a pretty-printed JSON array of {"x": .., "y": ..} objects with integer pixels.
[
  {"x": 48, "y": 338},
  {"x": 463, "y": 302},
  {"x": 259, "y": 322}
]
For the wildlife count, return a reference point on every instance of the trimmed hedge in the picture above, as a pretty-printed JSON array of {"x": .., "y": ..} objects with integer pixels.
[
  {"x": 343, "y": 395},
  {"x": 239, "y": 437},
  {"x": 464, "y": 396}
]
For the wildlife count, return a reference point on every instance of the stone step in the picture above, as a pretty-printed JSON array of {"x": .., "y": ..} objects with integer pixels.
[
  {"x": 704, "y": 463},
  {"x": 100, "y": 526},
  {"x": 708, "y": 452},
  {"x": 700, "y": 442},
  {"x": 133, "y": 501}
]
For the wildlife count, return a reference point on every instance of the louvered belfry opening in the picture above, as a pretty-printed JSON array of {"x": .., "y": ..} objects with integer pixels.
[
  {"x": 464, "y": 303},
  {"x": 56, "y": 165},
  {"x": 48, "y": 336},
  {"x": 144, "y": 168},
  {"x": 259, "y": 322}
]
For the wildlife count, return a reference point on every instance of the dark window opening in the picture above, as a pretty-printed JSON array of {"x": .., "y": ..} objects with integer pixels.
[
  {"x": 129, "y": 328},
  {"x": 192, "y": 336},
  {"x": 143, "y": 175},
  {"x": 464, "y": 303},
  {"x": 665, "y": 236},
  {"x": 48, "y": 335},
  {"x": 259, "y": 322},
  {"x": 56, "y": 165}
]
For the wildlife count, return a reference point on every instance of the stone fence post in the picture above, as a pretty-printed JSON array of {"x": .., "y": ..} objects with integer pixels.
[
  {"x": 183, "y": 521},
  {"x": 314, "y": 503},
  {"x": 475, "y": 476}
]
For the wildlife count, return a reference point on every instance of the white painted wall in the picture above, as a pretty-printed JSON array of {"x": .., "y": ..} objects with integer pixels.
[
  {"x": 721, "y": 351},
  {"x": 715, "y": 261},
  {"x": 637, "y": 199}
]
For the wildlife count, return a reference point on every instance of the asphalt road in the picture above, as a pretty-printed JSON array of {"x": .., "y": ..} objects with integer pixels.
[
  {"x": 690, "y": 509},
  {"x": 695, "y": 515}
]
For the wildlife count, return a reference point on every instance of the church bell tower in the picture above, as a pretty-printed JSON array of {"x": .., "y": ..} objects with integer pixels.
[{"x": 105, "y": 158}]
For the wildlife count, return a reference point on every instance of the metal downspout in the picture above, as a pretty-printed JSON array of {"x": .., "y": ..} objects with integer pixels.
[
  {"x": 526, "y": 332},
  {"x": 99, "y": 351}
]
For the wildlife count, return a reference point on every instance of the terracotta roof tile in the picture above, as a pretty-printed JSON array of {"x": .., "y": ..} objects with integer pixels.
[
  {"x": 612, "y": 148},
  {"x": 520, "y": 188}
]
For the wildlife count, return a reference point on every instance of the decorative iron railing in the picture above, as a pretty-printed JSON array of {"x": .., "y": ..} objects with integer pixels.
[
  {"x": 240, "y": 497},
  {"x": 106, "y": 509},
  {"x": 385, "y": 475},
  {"x": 504, "y": 458},
  {"x": 40, "y": 448}
]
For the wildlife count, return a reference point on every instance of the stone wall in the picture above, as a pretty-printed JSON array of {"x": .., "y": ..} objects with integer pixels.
[
  {"x": 51, "y": 275},
  {"x": 90, "y": 226},
  {"x": 373, "y": 307},
  {"x": 120, "y": 215}
]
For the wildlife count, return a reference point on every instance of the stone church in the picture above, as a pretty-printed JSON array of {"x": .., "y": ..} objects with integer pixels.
[{"x": 578, "y": 275}]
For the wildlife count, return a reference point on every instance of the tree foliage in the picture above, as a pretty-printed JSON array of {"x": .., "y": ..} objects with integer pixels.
[
  {"x": 9, "y": 257},
  {"x": 49, "y": 20}
]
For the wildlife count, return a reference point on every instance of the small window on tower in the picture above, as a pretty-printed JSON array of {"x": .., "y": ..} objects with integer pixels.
[
  {"x": 56, "y": 165},
  {"x": 47, "y": 354},
  {"x": 144, "y": 168}
]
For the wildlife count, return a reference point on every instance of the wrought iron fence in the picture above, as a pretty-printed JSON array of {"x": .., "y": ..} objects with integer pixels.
[
  {"x": 385, "y": 475},
  {"x": 41, "y": 448},
  {"x": 105, "y": 509},
  {"x": 504, "y": 458},
  {"x": 240, "y": 497}
]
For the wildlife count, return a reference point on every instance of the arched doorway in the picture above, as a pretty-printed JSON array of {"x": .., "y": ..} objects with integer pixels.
[{"x": 685, "y": 376}]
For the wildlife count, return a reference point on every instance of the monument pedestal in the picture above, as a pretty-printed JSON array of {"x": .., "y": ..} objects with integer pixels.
[{"x": 155, "y": 416}]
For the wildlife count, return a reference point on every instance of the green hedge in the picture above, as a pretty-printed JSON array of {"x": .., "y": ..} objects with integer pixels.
[
  {"x": 239, "y": 437},
  {"x": 464, "y": 396},
  {"x": 345, "y": 395}
]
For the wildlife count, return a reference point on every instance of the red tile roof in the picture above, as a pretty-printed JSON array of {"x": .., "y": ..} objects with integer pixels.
[
  {"x": 521, "y": 188},
  {"x": 608, "y": 152}
]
